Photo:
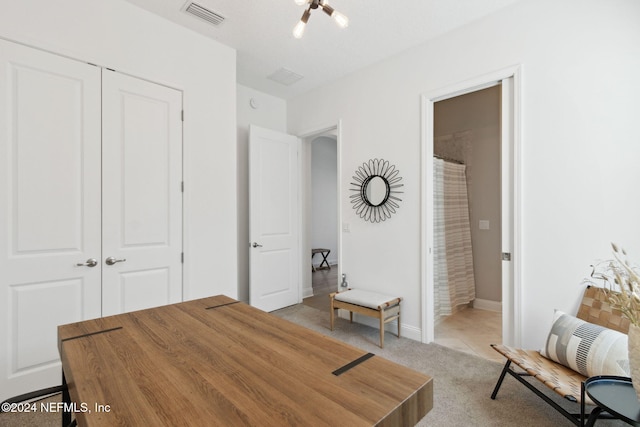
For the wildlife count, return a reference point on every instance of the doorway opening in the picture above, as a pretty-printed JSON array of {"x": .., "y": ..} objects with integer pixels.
[
  {"x": 509, "y": 81},
  {"x": 467, "y": 223},
  {"x": 280, "y": 219},
  {"x": 321, "y": 234}
]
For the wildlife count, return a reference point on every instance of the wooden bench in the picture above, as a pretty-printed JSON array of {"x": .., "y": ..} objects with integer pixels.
[
  {"x": 594, "y": 308},
  {"x": 383, "y": 307}
]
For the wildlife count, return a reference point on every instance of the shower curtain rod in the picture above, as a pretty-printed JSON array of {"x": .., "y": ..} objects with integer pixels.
[{"x": 448, "y": 159}]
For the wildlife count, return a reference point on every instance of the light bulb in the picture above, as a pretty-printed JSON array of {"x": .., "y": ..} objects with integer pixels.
[
  {"x": 300, "y": 2},
  {"x": 341, "y": 20},
  {"x": 298, "y": 30}
]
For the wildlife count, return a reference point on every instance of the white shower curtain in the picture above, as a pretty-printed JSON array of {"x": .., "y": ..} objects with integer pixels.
[{"x": 453, "y": 259}]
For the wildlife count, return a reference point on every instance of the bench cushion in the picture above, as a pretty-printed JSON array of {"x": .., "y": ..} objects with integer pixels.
[
  {"x": 368, "y": 299},
  {"x": 587, "y": 348}
]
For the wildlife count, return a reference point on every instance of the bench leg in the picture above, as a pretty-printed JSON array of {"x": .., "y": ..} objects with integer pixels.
[
  {"x": 500, "y": 379},
  {"x": 398, "y": 324},
  {"x": 574, "y": 418},
  {"x": 324, "y": 259},
  {"x": 331, "y": 311},
  {"x": 381, "y": 328}
]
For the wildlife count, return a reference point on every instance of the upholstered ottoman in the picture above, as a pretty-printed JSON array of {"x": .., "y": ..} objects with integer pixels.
[{"x": 373, "y": 304}]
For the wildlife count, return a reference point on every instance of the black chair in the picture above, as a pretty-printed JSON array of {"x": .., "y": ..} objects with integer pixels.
[{"x": 66, "y": 417}]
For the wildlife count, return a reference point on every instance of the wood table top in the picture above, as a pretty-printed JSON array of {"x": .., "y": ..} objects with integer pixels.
[{"x": 217, "y": 361}]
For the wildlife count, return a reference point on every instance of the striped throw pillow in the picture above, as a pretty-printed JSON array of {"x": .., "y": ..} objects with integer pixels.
[{"x": 586, "y": 348}]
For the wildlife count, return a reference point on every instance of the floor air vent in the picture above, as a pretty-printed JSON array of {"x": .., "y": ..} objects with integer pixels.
[{"x": 203, "y": 13}]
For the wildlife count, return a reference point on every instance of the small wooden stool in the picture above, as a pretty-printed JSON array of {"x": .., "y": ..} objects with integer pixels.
[
  {"x": 384, "y": 307},
  {"x": 325, "y": 253}
]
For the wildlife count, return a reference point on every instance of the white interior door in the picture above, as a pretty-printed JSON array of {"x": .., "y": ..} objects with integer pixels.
[
  {"x": 273, "y": 219},
  {"x": 141, "y": 193},
  {"x": 49, "y": 209}
]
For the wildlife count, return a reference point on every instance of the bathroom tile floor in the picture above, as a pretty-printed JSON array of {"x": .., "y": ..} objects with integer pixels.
[{"x": 472, "y": 330}]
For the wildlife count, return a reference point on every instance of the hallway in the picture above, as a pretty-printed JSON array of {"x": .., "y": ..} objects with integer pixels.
[{"x": 324, "y": 281}]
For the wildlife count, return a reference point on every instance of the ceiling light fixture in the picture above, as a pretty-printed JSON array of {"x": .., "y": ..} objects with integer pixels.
[{"x": 341, "y": 20}]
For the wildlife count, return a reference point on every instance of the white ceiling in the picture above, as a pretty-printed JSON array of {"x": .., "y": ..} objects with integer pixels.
[{"x": 260, "y": 31}]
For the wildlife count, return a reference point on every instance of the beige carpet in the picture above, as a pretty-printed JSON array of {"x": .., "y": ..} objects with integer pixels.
[{"x": 462, "y": 382}]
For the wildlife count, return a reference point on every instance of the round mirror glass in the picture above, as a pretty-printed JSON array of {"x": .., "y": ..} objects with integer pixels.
[{"x": 376, "y": 191}]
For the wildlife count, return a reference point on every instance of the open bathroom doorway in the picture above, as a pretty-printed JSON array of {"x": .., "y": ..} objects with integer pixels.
[
  {"x": 509, "y": 80},
  {"x": 467, "y": 222}
]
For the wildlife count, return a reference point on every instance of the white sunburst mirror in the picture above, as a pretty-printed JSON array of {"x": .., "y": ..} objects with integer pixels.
[{"x": 375, "y": 188}]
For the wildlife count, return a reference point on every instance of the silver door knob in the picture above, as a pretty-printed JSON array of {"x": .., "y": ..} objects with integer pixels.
[
  {"x": 91, "y": 262},
  {"x": 256, "y": 245},
  {"x": 112, "y": 260}
]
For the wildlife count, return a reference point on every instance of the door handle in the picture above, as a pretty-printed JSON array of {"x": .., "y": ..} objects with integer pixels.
[
  {"x": 256, "y": 245},
  {"x": 112, "y": 260},
  {"x": 91, "y": 262}
]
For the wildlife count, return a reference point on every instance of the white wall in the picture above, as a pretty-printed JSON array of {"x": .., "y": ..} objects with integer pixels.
[
  {"x": 324, "y": 211},
  {"x": 118, "y": 35},
  {"x": 271, "y": 113},
  {"x": 580, "y": 103}
]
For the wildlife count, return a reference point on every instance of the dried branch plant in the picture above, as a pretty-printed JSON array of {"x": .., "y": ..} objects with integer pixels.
[{"x": 621, "y": 280}]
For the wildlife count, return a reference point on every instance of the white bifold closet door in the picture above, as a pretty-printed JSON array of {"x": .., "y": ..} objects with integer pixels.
[
  {"x": 70, "y": 197},
  {"x": 141, "y": 194},
  {"x": 50, "y": 214}
]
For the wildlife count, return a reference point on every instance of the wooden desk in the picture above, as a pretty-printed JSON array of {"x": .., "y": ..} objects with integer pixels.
[{"x": 216, "y": 361}]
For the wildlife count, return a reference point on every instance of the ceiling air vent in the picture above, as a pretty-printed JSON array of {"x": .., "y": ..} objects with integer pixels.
[
  {"x": 285, "y": 76},
  {"x": 203, "y": 13}
]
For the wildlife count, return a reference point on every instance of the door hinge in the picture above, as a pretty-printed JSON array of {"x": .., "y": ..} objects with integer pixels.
[
  {"x": 182, "y": 186},
  {"x": 506, "y": 256},
  {"x": 182, "y": 115},
  {"x": 182, "y": 257}
]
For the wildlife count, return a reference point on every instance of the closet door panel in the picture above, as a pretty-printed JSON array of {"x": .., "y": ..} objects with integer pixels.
[
  {"x": 142, "y": 196},
  {"x": 50, "y": 209}
]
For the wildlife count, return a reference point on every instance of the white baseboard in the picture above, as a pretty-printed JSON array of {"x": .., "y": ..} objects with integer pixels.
[
  {"x": 406, "y": 331},
  {"x": 307, "y": 292},
  {"x": 485, "y": 304}
]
